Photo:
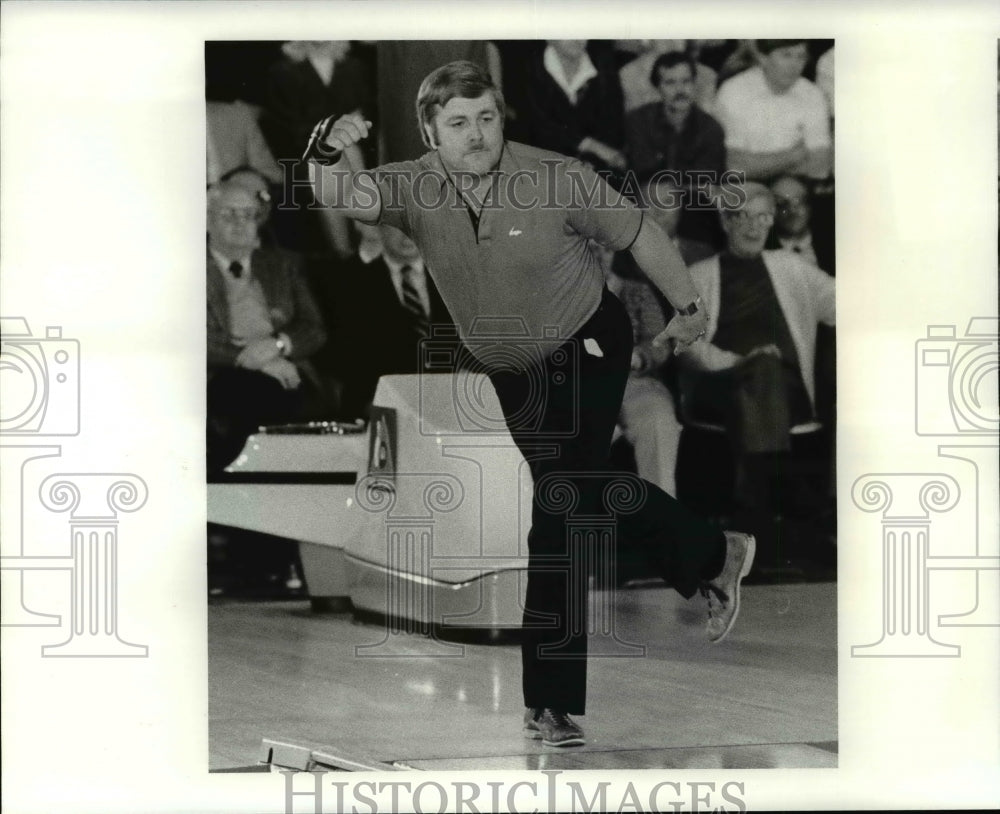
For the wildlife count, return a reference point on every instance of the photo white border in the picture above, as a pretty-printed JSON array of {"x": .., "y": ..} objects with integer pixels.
[{"x": 102, "y": 175}]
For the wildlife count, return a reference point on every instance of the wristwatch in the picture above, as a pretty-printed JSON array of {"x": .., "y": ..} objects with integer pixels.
[{"x": 691, "y": 308}]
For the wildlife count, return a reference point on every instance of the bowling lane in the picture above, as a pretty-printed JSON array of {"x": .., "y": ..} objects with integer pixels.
[{"x": 766, "y": 696}]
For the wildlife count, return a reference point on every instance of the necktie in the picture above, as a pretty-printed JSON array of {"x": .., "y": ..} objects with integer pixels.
[
  {"x": 413, "y": 303},
  {"x": 236, "y": 269}
]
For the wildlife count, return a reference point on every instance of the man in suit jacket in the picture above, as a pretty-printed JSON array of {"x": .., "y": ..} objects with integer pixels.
[
  {"x": 263, "y": 325},
  {"x": 797, "y": 227},
  {"x": 382, "y": 307}
]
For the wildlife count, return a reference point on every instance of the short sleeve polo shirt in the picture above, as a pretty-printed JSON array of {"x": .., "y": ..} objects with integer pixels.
[{"x": 529, "y": 266}]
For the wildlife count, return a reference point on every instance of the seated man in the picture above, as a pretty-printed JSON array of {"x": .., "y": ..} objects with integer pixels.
[
  {"x": 634, "y": 76},
  {"x": 673, "y": 132},
  {"x": 263, "y": 326},
  {"x": 574, "y": 103},
  {"x": 776, "y": 121},
  {"x": 382, "y": 306},
  {"x": 795, "y": 226},
  {"x": 755, "y": 371}
]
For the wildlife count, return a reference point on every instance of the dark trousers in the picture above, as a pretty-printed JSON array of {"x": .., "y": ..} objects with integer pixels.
[{"x": 561, "y": 414}]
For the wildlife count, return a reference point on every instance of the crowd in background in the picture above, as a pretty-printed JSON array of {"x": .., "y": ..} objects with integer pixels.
[{"x": 307, "y": 309}]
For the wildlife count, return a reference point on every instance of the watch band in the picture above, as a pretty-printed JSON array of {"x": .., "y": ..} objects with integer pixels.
[
  {"x": 318, "y": 151},
  {"x": 691, "y": 308}
]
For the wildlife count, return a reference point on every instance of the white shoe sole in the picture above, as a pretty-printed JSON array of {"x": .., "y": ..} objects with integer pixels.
[
  {"x": 534, "y": 734},
  {"x": 744, "y": 570}
]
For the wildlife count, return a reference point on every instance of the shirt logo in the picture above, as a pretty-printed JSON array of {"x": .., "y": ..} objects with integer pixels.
[{"x": 513, "y": 232}]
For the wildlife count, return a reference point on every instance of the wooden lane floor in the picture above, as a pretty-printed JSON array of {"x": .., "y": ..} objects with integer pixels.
[{"x": 767, "y": 696}]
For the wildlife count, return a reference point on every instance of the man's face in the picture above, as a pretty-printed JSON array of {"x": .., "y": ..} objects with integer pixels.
[
  {"x": 468, "y": 134},
  {"x": 232, "y": 221},
  {"x": 783, "y": 66},
  {"x": 792, "y": 216},
  {"x": 746, "y": 229},
  {"x": 676, "y": 87}
]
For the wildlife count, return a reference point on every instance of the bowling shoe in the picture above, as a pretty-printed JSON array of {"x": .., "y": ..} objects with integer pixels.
[
  {"x": 552, "y": 727},
  {"x": 723, "y": 592}
]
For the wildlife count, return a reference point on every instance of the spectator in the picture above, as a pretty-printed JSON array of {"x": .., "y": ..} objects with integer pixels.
[
  {"x": 258, "y": 186},
  {"x": 755, "y": 371},
  {"x": 648, "y": 415},
  {"x": 824, "y": 78},
  {"x": 384, "y": 305},
  {"x": 799, "y": 229},
  {"x": 263, "y": 326},
  {"x": 776, "y": 121},
  {"x": 634, "y": 76},
  {"x": 234, "y": 140},
  {"x": 312, "y": 80},
  {"x": 795, "y": 227},
  {"x": 674, "y": 134},
  {"x": 575, "y": 103}
]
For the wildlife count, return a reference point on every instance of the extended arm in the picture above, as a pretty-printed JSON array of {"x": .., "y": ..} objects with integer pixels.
[
  {"x": 334, "y": 168},
  {"x": 662, "y": 264}
]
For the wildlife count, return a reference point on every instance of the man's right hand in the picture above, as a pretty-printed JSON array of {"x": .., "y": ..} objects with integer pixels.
[
  {"x": 258, "y": 353},
  {"x": 334, "y": 137}
]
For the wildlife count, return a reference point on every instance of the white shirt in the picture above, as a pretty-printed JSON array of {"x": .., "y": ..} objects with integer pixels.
[
  {"x": 802, "y": 246},
  {"x": 323, "y": 65},
  {"x": 758, "y": 120},
  {"x": 571, "y": 85},
  {"x": 824, "y": 77}
]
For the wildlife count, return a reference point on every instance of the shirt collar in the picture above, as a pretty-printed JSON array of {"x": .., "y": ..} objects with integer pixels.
[
  {"x": 323, "y": 65},
  {"x": 803, "y": 242},
  {"x": 224, "y": 262},
  {"x": 570, "y": 85}
]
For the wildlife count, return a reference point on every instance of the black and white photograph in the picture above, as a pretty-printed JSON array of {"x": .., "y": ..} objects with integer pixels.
[
  {"x": 570, "y": 424},
  {"x": 408, "y": 367}
]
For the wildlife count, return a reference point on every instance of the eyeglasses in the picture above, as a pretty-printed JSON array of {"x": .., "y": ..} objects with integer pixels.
[
  {"x": 230, "y": 215},
  {"x": 788, "y": 204},
  {"x": 743, "y": 218}
]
